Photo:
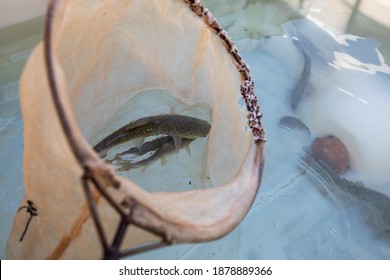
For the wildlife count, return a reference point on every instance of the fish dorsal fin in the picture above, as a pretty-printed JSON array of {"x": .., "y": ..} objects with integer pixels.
[{"x": 172, "y": 110}]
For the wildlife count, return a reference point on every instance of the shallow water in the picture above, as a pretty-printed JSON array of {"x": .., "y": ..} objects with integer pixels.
[
  {"x": 297, "y": 214},
  {"x": 16, "y": 44},
  {"x": 180, "y": 170}
]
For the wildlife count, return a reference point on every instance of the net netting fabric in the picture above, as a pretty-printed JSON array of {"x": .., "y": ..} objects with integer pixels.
[{"x": 154, "y": 55}]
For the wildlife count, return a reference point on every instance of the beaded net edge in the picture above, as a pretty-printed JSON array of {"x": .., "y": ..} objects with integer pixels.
[{"x": 247, "y": 87}]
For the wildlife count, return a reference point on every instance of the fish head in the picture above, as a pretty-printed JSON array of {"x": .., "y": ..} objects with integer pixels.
[{"x": 200, "y": 130}]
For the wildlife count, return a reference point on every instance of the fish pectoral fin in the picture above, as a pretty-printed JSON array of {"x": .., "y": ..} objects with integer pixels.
[
  {"x": 139, "y": 142},
  {"x": 164, "y": 151},
  {"x": 163, "y": 160},
  {"x": 178, "y": 143},
  {"x": 188, "y": 150}
]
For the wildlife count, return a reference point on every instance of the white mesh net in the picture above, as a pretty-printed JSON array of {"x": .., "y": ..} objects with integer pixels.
[{"x": 111, "y": 62}]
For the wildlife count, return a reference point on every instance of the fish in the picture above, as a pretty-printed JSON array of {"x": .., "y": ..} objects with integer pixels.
[
  {"x": 297, "y": 128},
  {"x": 298, "y": 92},
  {"x": 376, "y": 202},
  {"x": 177, "y": 126},
  {"x": 159, "y": 148}
]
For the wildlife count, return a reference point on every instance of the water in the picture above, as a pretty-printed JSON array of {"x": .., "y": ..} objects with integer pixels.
[
  {"x": 181, "y": 169},
  {"x": 16, "y": 43},
  {"x": 297, "y": 214}
]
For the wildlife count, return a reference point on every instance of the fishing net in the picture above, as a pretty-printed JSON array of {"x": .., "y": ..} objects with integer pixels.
[{"x": 101, "y": 65}]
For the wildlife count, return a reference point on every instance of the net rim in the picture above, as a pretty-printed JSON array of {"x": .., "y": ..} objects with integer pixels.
[{"x": 101, "y": 176}]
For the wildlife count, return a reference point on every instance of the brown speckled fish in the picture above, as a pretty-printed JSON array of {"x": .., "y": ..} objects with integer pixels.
[
  {"x": 177, "y": 126},
  {"x": 377, "y": 202}
]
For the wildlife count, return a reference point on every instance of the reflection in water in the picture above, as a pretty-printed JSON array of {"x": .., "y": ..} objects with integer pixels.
[{"x": 352, "y": 105}]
